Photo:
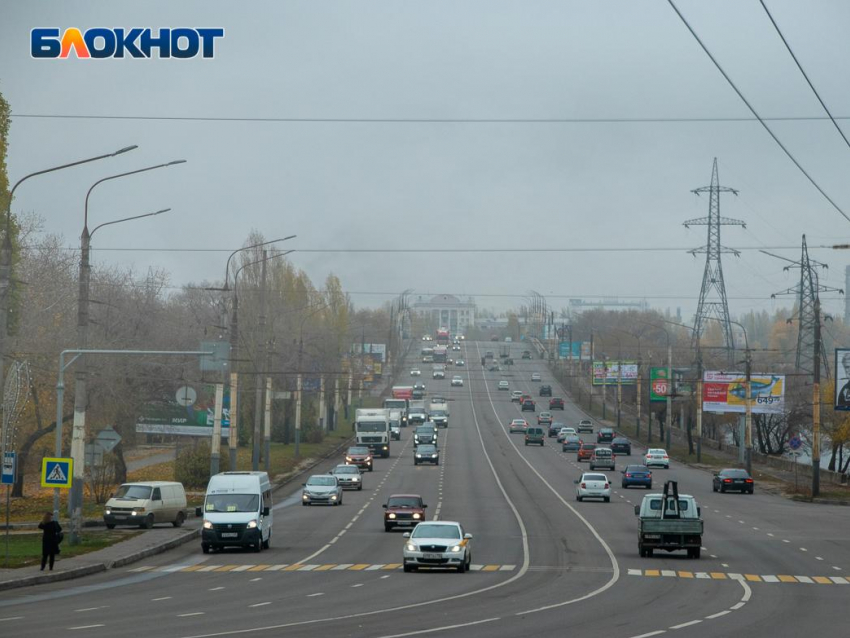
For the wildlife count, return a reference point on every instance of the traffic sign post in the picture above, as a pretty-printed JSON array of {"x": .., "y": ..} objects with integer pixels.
[
  {"x": 795, "y": 443},
  {"x": 7, "y": 478},
  {"x": 57, "y": 472},
  {"x": 107, "y": 439}
]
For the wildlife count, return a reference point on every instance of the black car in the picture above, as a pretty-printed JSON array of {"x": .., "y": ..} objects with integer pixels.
[
  {"x": 605, "y": 435},
  {"x": 545, "y": 390},
  {"x": 621, "y": 445},
  {"x": 426, "y": 453},
  {"x": 527, "y": 406},
  {"x": 418, "y": 394},
  {"x": 556, "y": 403},
  {"x": 732, "y": 479},
  {"x": 554, "y": 428},
  {"x": 526, "y": 354}
]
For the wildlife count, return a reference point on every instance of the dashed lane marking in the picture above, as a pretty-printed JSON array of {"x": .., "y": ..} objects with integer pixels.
[
  {"x": 752, "y": 578},
  {"x": 351, "y": 567}
]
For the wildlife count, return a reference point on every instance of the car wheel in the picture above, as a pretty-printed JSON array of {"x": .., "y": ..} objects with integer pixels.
[
  {"x": 258, "y": 546},
  {"x": 268, "y": 542},
  {"x": 408, "y": 568},
  {"x": 360, "y": 487},
  {"x": 148, "y": 524},
  {"x": 578, "y": 498},
  {"x": 178, "y": 522},
  {"x": 388, "y": 528},
  {"x": 624, "y": 486},
  {"x": 750, "y": 491},
  {"x": 607, "y": 499},
  {"x": 649, "y": 487},
  {"x": 641, "y": 551},
  {"x": 370, "y": 468},
  {"x": 722, "y": 490},
  {"x": 205, "y": 548},
  {"x": 649, "y": 552},
  {"x": 461, "y": 569},
  {"x": 110, "y": 526},
  {"x": 713, "y": 487}
]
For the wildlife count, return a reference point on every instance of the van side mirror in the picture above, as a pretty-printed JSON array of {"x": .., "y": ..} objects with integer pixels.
[
  {"x": 424, "y": 506},
  {"x": 266, "y": 511},
  {"x": 467, "y": 536},
  {"x": 699, "y": 511},
  {"x": 576, "y": 481},
  {"x": 406, "y": 535},
  {"x": 199, "y": 512},
  {"x": 637, "y": 510},
  {"x": 303, "y": 485},
  {"x": 384, "y": 506}
]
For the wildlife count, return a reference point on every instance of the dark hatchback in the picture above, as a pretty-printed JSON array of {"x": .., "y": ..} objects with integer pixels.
[
  {"x": 637, "y": 476},
  {"x": 545, "y": 390},
  {"x": 556, "y": 403},
  {"x": 403, "y": 510},
  {"x": 527, "y": 406},
  {"x": 621, "y": 445},
  {"x": 605, "y": 435},
  {"x": 571, "y": 443},
  {"x": 733, "y": 480},
  {"x": 554, "y": 428}
]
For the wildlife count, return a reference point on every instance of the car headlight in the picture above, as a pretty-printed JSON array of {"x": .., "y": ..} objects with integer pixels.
[
  {"x": 391, "y": 515},
  {"x": 348, "y": 459},
  {"x": 305, "y": 496},
  {"x": 252, "y": 524},
  {"x": 208, "y": 525},
  {"x": 418, "y": 456},
  {"x": 456, "y": 548},
  {"x": 333, "y": 497},
  {"x": 417, "y": 516},
  {"x": 411, "y": 547},
  {"x": 108, "y": 511}
]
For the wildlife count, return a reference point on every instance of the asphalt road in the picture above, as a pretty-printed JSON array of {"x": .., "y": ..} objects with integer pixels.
[{"x": 545, "y": 564}]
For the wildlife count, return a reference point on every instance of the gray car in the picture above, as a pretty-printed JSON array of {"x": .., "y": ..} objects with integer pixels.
[
  {"x": 349, "y": 476},
  {"x": 322, "y": 488}
]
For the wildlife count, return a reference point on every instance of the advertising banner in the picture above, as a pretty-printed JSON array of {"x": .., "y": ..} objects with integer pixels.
[
  {"x": 169, "y": 417},
  {"x": 659, "y": 385},
  {"x": 725, "y": 392},
  {"x": 842, "y": 379},
  {"x": 581, "y": 350},
  {"x": 629, "y": 374}
]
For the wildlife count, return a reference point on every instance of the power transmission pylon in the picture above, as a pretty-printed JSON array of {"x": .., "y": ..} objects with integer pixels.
[
  {"x": 808, "y": 309},
  {"x": 712, "y": 295}
]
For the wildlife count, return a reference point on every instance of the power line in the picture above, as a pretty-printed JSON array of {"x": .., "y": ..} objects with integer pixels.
[
  {"x": 424, "y": 120},
  {"x": 755, "y": 113},
  {"x": 805, "y": 75}
]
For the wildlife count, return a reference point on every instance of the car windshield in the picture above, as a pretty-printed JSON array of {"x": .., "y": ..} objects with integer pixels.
[
  {"x": 518, "y": 422},
  {"x": 601, "y": 453},
  {"x": 134, "y": 492},
  {"x": 426, "y": 449},
  {"x": 584, "y": 423},
  {"x": 425, "y": 430},
  {"x": 357, "y": 451},
  {"x": 636, "y": 468},
  {"x": 588, "y": 446},
  {"x": 655, "y": 505},
  {"x": 232, "y": 503},
  {"x": 346, "y": 469},
  {"x": 735, "y": 473},
  {"x": 324, "y": 481},
  {"x": 404, "y": 501},
  {"x": 595, "y": 477},
  {"x": 620, "y": 440},
  {"x": 572, "y": 438},
  {"x": 438, "y": 413},
  {"x": 372, "y": 426},
  {"x": 656, "y": 452},
  {"x": 424, "y": 530}
]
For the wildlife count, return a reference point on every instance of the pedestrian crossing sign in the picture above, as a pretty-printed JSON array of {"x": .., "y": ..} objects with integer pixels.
[{"x": 57, "y": 472}]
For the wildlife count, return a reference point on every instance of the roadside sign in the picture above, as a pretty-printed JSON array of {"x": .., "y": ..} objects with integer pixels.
[
  {"x": 795, "y": 443},
  {"x": 57, "y": 472},
  {"x": 10, "y": 461},
  {"x": 94, "y": 455},
  {"x": 108, "y": 438}
]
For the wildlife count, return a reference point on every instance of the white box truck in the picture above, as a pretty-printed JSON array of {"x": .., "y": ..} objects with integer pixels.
[{"x": 372, "y": 430}]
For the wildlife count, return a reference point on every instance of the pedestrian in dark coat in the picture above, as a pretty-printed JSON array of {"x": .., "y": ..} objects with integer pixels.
[{"x": 49, "y": 540}]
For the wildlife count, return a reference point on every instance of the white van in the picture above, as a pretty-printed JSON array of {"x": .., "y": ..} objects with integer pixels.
[
  {"x": 144, "y": 504},
  {"x": 237, "y": 511}
]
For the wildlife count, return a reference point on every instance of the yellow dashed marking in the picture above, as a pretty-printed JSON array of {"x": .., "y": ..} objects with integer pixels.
[
  {"x": 786, "y": 579},
  {"x": 392, "y": 566},
  {"x": 490, "y": 568},
  {"x": 359, "y": 567},
  {"x": 226, "y": 568},
  {"x": 652, "y": 572},
  {"x": 259, "y": 568},
  {"x": 822, "y": 580},
  {"x": 686, "y": 574},
  {"x": 753, "y": 578},
  {"x": 718, "y": 575},
  {"x": 192, "y": 568},
  {"x": 324, "y": 568},
  {"x": 292, "y": 568}
]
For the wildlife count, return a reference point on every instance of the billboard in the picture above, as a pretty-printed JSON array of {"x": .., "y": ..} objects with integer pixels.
[
  {"x": 842, "y": 379},
  {"x": 629, "y": 373},
  {"x": 581, "y": 350},
  {"x": 725, "y": 392},
  {"x": 196, "y": 419},
  {"x": 658, "y": 385}
]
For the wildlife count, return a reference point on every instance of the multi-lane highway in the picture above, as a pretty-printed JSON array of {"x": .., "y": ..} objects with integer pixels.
[{"x": 544, "y": 564}]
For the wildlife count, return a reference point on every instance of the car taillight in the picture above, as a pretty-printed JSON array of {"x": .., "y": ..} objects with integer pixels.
[
  {"x": 749, "y": 481},
  {"x": 606, "y": 486},
  {"x": 584, "y": 486},
  {"x": 665, "y": 456},
  {"x": 628, "y": 475},
  {"x": 727, "y": 480}
]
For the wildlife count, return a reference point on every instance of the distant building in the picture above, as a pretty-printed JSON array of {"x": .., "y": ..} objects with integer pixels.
[
  {"x": 447, "y": 311},
  {"x": 577, "y": 306},
  {"x": 847, "y": 295}
]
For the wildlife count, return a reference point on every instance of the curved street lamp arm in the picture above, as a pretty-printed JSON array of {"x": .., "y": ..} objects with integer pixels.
[
  {"x": 127, "y": 219},
  {"x": 238, "y": 250}
]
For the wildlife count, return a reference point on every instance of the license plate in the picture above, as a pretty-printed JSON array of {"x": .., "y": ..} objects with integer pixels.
[
  {"x": 229, "y": 534},
  {"x": 432, "y": 556},
  {"x": 121, "y": 516}
]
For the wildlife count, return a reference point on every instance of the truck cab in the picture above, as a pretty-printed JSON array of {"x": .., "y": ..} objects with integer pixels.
[{"x": 372, "y": 430}]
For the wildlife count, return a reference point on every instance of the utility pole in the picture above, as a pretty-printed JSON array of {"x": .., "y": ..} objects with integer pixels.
[
  {"x": 669, "y": 416},
  {"x": 592, "y": 361},
  {"x": 712, "y": 296},
  {"x": 233, "y": 439},
  {"x": 637, "y": 395},
  {"x": 267, "y": 429},
  {"x": 215, "y": 447},
  {"x": 619, "y": 388},
  {"x": 699, "y": 405},
  {"x": 748, "y": 415},
  {"x": 816, "y": 399},
  {"x": 649, "y": 403},
  {"x": 572, "y": 370},
  {"x": 298, "y": 401},
  {"x": 604, "y": 386},
  {"x": 258, "y": 393}
]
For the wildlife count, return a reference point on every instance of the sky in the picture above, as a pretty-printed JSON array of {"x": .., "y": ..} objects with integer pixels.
[{"x": 531, "y": 185}]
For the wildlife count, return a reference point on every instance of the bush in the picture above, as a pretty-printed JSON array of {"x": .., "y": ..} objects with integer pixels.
[{"x": 193, "y": 465}]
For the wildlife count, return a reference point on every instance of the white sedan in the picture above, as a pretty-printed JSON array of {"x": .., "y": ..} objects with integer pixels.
[
  {"x": 437, "y": 544},
  {"x": 416, "y": 372},
  {"x": 593, "y": 485},
  {"x": 658, "y": 457},
  {"x": 503, "y": 385},
  {"x": 535, "y": 376},
  {"x": 457, "y": 381}
]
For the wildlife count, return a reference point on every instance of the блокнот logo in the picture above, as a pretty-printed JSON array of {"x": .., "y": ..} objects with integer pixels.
[{"x": 98, "y": 43}]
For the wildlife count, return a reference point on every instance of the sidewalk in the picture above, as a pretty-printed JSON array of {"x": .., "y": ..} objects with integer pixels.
[{"x": 149, "y": 543}]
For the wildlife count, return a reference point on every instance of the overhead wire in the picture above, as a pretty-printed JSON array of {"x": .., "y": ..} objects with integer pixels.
[{"x": 752, "y": 109}]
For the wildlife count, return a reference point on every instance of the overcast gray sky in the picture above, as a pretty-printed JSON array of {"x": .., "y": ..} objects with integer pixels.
[{"x": 451, "y": 185}]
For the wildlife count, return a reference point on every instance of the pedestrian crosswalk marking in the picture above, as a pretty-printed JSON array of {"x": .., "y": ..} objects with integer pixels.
[
  {"x": 752, "y": 578},
  {"x": 329, "y": 567}
]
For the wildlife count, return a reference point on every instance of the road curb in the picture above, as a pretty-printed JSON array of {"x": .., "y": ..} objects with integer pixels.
[
  {"x": 156, "y": 549},
  {"x": 53, "y": 577}
]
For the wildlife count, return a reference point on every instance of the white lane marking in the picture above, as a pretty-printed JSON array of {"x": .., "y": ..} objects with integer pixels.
[
  {"x": 818, "y": 558},
  {"x": 770, "y": 579},
  {"x": 216, "y": 588},
  {"x": 307, "y": 568},
  {"x": 319, "y": 593},
  {"x": 209, "y": 568},
  {"x": 635, "y": 572},
  {"x": 153, "y": 600},
  {"x": 838, "y": 569},
  {"x": 785, "y": 540},
  {"x": 769, "y": 534},
  {"x": 725, "y": 564},
  {"x": 686, "y": 624},
  {"x": 445, "y": 628},
  {"x": 838, "y": 580},
  {"x": 260, "y": 604},
  {"x": 741, "y": 522},
  {"x": 718, "y": 614},
  {"x": 702, "y": 575},
  {"x": 651, "y": 633},
  {"x": 385, "y": 576},
  {"x": 85, "y": 627},
  {"x": 358, "y": 585},
  {"x": 668, "y": 572},
  {"x": 804, "y": 579},
  {"x": 803, "y": 549},
  {"x": 373, "y": 568},
  {"x": 11, "y": 618},
  {"x": 254, "y": 580},
  {"x": 241, "y": 568},
  {"x": 194, "y": 613},
  {"x": 95, "y": 608},
  {"x": 342, "y": 567},
  {"x": 737, "y": 606},
  {"x": 756, "y": 528}
]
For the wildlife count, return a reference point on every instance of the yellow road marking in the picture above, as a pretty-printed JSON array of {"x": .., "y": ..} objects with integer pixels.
[
  {"x": 652, "y": 572},
  {"x": 753, "y": 578},
  {"x": 786, "y": 579},
  {"x": 226, "y": 568},
  {"x": 686, "y": 574},
  {"x": 718, "y": 575},
  {"x": 359, "y": 567},
  {"x": 490, "y": 568},
  {"x": 391, "y": 566},
  {"x": 292, "y": 568},
  {"x": 192, "y": 568},
  {"x": 324, "y": 568},
  {"x": 259, "y": 568},
  {"x": 822, "y": 580}
]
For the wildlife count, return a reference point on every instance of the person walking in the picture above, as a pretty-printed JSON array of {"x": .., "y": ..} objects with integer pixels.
[{"x": 50, "y": 539}]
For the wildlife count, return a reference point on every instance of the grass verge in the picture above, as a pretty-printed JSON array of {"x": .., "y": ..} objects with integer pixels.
[{"x": 25, "y": 549}]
